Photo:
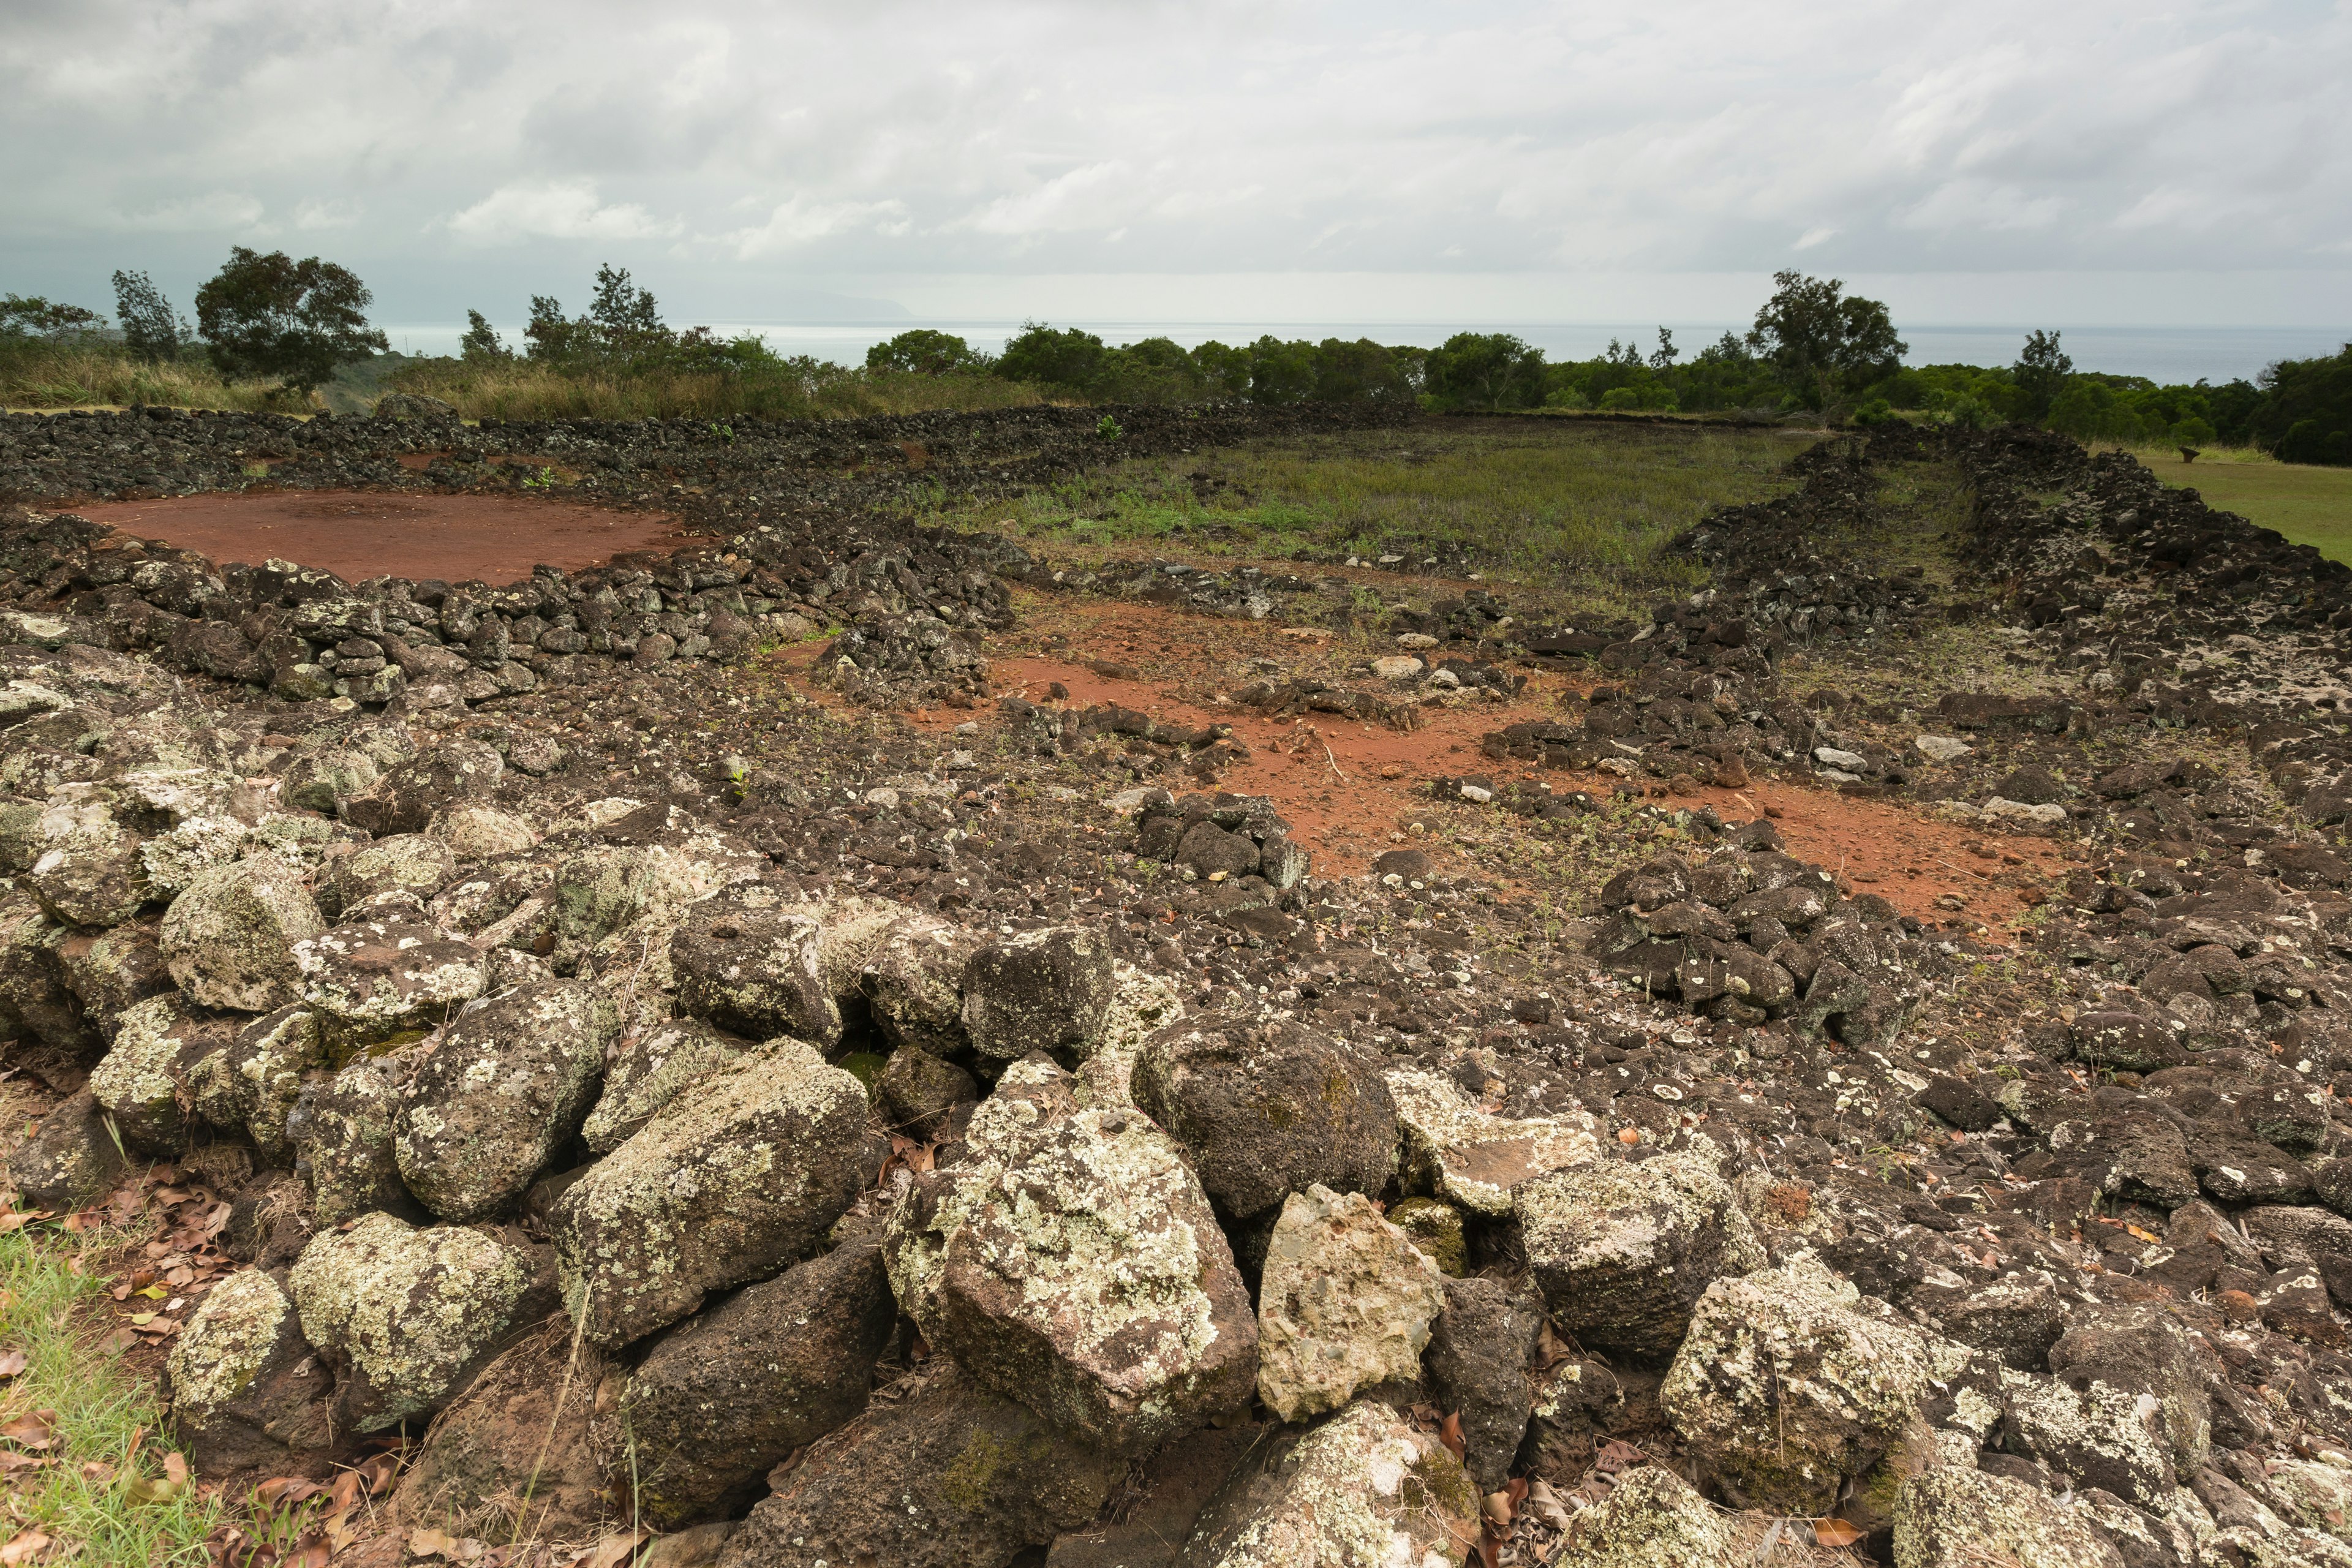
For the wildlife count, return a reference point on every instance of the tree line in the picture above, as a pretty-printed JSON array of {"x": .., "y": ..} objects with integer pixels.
[{"x": 1812, "y": 347}]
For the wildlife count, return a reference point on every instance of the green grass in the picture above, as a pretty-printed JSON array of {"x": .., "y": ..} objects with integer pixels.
[
  {"x": 2310, "y": 505},
  {"x": 1548, "y": 504},
  {"x": 84, "y": 1499}
]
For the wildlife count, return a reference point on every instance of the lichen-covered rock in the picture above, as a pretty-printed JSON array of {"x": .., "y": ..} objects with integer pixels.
[
  {"x": 146, "y": 1079},
  {"x": 914, "y": 985},
  {"x": 112, "y": 970},
  {"x": 1268, "y": 1109},
  {"x": 1954, "y": 1516},
  {"x": 342, "y": 1129},
  {"x": 70, "y": 1160},
  {"x": 176, "y": 858},
  {"x": 477, "y": 832},
  {"x": 1789, "y": 1382},
  {"x": 411, "y": 862},
  {"x": 2016, "y": 1318},
  {"x": 1652, "y": 1518},
  {"x": 1477, "y": 1368},
  {"x": 229, "y": 940},
  {"x": 652, "y": 1069},
  {"x": 515, "y": 1453},
  {"x": 1045, "y": 991},
  {"x": 1455, "y": 1152},
  {"x": 1436, "y": 1228},
  {"x": 85, "y": 868},
  {"x": 499, "y": 1092},
  {"x": 916, "y": 1091},
  {"x": 2141, "y": 1348},
  {"x": 257, "y": 1083},
  {"x": 722, "y": 1398},
  {"x": 244, "y": 1385},
  {"x": 730, "y": 1184},
  {"x": 1345, "y": 1304},
  {"x": 379, "y": 979},
  {"x": 1071, "y": 1261},
  {"x": 1363, "y": 1488},
  {"x": 409, "y": 1315},
  {"x": 2099, "y": 1434},
  {"x": 760, "y": 969},
  {"x": 604, "y": 888},
  {"x": 1623, "y": 1251},
  {"x": 35, "y": 998},
  {"x": 2315, "y": 1495},
  {"x": 941, "y": 1474},
  {"x": 404, "y": 799}
]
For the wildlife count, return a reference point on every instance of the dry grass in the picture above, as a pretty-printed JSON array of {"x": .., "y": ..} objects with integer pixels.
[
  {"x": 39, "y": 375},
  {"x": 522, "y": 390}
]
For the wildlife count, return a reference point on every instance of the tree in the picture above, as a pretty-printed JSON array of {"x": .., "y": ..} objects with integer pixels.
[
  {"x": 2305, "y": 412},
  {"x": 272, "y": 315},
  {"x": 622, "y": 311},
  {"x": 2040, "y": 372},
  {"x": 151, "y": 329},
  {"x": 22, "y": 316},
  {"x": 924, "y": 351},
  {"x": 1487, "y": 370},
  {"x": 481, "y": 342},
  {"x": 1069, "y": 358},
  {"x": 1821, "y": 341}
]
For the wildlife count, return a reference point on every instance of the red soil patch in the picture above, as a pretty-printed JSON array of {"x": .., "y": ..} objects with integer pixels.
[
  {"x": 358, "y": 534},
  {"x": 1323, "y": 771}
]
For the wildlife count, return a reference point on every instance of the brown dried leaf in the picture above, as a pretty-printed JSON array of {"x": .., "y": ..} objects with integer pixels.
[
  {"x": 455, "y": 1548},
  {"x": 12, "y": 1364},
  {"x": 1835, "y": 1532},
  {"x": 38, "y": 1430},
  {"x": 1449, "y": 1432},
  {"x": 24, "y": 1548}
]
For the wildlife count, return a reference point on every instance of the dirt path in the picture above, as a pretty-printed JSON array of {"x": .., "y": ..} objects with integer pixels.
[{"x": 359, "y": 535}]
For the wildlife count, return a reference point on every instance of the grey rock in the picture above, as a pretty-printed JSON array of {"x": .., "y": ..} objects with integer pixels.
[
  {"x": 229, "y": 940},
  {"x": 1623, "y": 1251},
  {"x": 1345, "y": 1304},
  {"x": 1047, "y": 991},
  {"x": 245, "y": 1386},
  {"x": 1477, "y": 1368}
]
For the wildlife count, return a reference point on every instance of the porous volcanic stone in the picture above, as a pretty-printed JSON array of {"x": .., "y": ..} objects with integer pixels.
[
  {"x": 1268, "y": 1109},
  {"x": 1046, "y": 991},
  {"x": 730, "y": 1184},
  {"x": 1072, "y": 1261},
  {"x": 1458, "y": 1152},
  {"x": 229, "y": 940},
  {"x": 1345, "y": 1304}
]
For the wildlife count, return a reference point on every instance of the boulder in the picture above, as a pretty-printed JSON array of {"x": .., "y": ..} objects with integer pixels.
[
  {"x": 1789, "y": 1382},
  {"x": 726, "y": 1395},
  {"x": 1478, "y": 1362},
  {"x": 257, "y": 1081},
  {"x": 652, "y": 1069},
  {"x": 1069, "y": 1259},
  {"x": 1046, "y": 991},
  {"x": 1267, "y": 1109},
  {"x": 1345, "y": 1304},
  {"x": 1953, "y": 1517},
  {"x": 376, "y": 980},
  {"x": 2313, "y": 1236},
  {"x": 1623, "y": 1251},
  {"x": 917, "y": 1092},
  {"x": 229, "y": 941},
  {"x": 409, "y": 862},
  {"x": 914, "y": 985},
  {"x": 480, "y": 832},
  {"x": 343, "y": 1130},
  {"x": 86, "y": 866},
  {"x": 70, "y": 1158},
  {"x": 112, "y": 970},
  {"x": 2140, "y": 1348},
  {"x": 244, "y": 1385},
  {"x": 147, "y": 1076},
  {"x": 1361, "y": 1487},
  {"x": 942, "y": 1474},
  {"x": 1652, "y": 1518},
  {"x": 730, "y": 1184},
  {"x": 405, "y": 798},
  {"x": 408, "y": 1316},
  {"x": 2097, "y": 1433},
  {"x": 515, "y": 1454},
  {"x": 760, "y": 969},
  {"x": 1457, "y": 1151},
  {"x": 496, "y": 1093}
]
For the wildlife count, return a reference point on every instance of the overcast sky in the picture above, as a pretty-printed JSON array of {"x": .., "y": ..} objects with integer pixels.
[{"x": 1263, "y": 160}]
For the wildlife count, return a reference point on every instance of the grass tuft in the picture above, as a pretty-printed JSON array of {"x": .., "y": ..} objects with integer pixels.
[{"x": 100, "y": 1490}]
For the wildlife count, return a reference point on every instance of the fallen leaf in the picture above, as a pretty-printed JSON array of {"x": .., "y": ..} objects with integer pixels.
[
  {"x": 378, "y": 1472},
  {"x": 1449, "y": 1432},
  {"x": 12, "y": 1364},
  {"x": 38, "y": 1430},
  {"x": 146, "y": 1489},
  {"x": 175, "y": 1466},
  {"x": 456, "y": 1548},
  {"x": 614, "y": 1550},
  {"x": 25, "y": 1548},
  {"x": 1835, "y": 1532}
]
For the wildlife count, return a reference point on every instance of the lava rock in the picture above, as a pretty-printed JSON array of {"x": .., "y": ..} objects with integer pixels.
[
  {"x": 1345, "y": 1303},
  {"x": 230, "y": 940}
]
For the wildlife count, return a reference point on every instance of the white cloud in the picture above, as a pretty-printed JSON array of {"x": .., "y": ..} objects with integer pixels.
[
  {"x": 793, "y": 223},
  {"x": 341, "y": 213},
  {"x": 208, "y": 214},
  {"x": 554, "y": 209}
]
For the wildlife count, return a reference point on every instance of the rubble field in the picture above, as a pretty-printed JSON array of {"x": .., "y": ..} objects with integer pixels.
[{"x": 824, "y": 1037}]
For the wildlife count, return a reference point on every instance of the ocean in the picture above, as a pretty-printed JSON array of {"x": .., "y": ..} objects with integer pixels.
[{"x": 2165, "y": 354}]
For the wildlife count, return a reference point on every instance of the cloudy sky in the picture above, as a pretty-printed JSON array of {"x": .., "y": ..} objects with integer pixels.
[{"x": 1271, "y": 160}]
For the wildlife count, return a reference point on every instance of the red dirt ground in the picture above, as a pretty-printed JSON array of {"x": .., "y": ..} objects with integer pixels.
[
  {"x": 1324, "y": 771},
  {"x": 358, "y": 534}
]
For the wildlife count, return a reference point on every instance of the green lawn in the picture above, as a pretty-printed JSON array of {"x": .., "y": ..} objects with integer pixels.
[
  {"x": 1548, "y": 502},
  {"x": 2310, "y": 505}
]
